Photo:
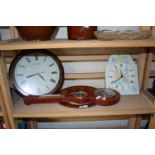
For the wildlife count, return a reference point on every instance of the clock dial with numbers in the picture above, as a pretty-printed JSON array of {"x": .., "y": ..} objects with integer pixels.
[
  {"x": 36, "y": 72},
  {"x": 121, "y": 74}
]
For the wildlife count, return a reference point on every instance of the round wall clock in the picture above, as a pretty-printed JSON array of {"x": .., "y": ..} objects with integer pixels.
[
  {"x": 36, "y": 72},
  {"x": 121, "y": 74}
]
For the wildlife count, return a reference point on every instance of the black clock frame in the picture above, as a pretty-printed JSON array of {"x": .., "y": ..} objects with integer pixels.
[{"x": 23, "y": 53}]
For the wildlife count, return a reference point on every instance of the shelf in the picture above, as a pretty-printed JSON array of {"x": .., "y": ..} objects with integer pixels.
[
  {"x": 128, "y": 105},
  {"x": 21, "y": 45}
]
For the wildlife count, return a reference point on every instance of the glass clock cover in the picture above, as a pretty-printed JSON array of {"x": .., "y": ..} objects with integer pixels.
[
  {"x": 36, "y": 72},
  {"x": 106, "y": 96}
]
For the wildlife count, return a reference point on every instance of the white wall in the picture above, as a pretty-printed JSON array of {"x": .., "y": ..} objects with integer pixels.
[{"x": 5, "y": 34}]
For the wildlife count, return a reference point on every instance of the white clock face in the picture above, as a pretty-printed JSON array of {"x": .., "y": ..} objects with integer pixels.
[
  {"x": 37, "y": 74},
  {"x": 122, "y": 77}
]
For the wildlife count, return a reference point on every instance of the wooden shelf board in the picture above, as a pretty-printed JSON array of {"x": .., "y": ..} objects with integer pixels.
[
  {"x": 19, "y": 44},
  {"x": 128, "y": 105},
  {"x": 97, "y": 75}
]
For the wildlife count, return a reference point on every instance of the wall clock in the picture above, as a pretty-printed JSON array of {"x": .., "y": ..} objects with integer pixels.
[
  {"x": 36, "y": 72},
  {"x": 121, "y": 74}
]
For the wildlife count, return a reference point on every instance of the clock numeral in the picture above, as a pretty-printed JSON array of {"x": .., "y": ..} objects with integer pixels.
[
  {"x": 21, "y": 66},
  {"x": 45, "y": 58},
  {"x": 121, "y": 65},
  {"x": 52, "y": 80},
  {"x": 54, "y": 72},
  {"x": 36, "y": 57},
  {"x": 20, "y": 74},
  {"x": 28, "y": 60},
  {"x": 132, "y": 81},
  {"x": 51, "y": 64}
]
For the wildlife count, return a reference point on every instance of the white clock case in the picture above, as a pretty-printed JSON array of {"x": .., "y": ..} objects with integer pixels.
[{"x": 117, "y": 60}]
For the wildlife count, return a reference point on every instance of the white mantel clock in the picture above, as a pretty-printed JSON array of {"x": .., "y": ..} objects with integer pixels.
[{"x": 121, "y": 74}]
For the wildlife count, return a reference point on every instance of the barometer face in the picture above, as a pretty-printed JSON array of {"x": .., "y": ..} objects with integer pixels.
[{"x": 106, "y": 96}]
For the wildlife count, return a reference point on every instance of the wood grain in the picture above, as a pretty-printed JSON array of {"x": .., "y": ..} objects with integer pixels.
[
  {"x": 57, "y": 44},
  {"x": 128, "y": 105}
]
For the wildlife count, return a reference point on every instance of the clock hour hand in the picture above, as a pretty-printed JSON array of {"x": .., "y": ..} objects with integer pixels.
[
  {"x": 35, "y": 74},
  {"x": 29, "y": 76},
  {"x": 121, "y": 76}
]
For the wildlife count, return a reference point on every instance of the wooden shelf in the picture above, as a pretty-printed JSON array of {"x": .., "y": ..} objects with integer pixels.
[
  {"x": 128, "y": 105},
  {"x": 21, "y": 45}
]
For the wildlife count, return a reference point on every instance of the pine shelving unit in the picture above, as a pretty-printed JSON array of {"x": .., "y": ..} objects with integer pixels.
[
  {"x": 3, "y": 112},
  {"x": 57, "y": 44},
  {"x": 130, "y": 106}
]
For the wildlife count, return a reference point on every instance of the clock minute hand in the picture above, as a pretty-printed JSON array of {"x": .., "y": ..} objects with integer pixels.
[{"x": 31, "y": 75}]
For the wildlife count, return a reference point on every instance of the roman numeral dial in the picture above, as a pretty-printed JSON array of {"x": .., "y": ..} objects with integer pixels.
[{"x": 36, "y": 73}]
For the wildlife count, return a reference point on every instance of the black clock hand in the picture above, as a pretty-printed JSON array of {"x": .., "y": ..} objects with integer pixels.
[
  {"x": 41, "y": 76},
  {"x": 31, "y": 75},
  {"x": 121, "y": 76},
  {"x": 35, "y": 74}
]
